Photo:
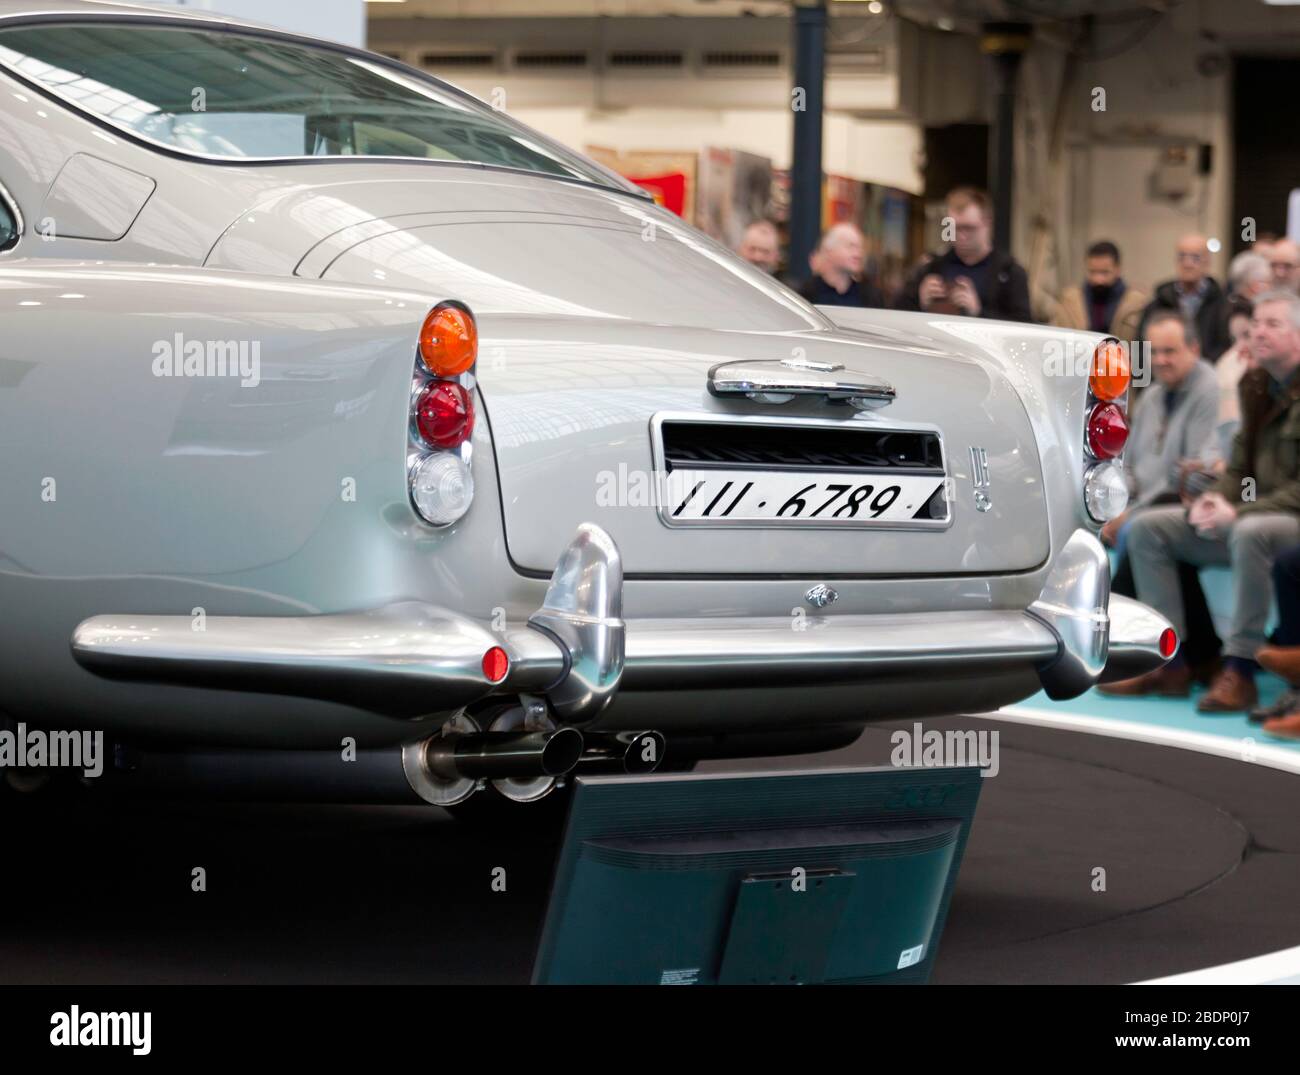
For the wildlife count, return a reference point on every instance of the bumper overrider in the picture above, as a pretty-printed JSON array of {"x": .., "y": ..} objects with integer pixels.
[{"x": 412, "y": 659}]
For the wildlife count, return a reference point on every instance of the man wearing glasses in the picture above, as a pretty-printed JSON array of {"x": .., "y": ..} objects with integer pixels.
[
  {"x": 1284, "y": 258},
  {"x": 970, "y": 278},
  {"x": 1196, "y": 295}
]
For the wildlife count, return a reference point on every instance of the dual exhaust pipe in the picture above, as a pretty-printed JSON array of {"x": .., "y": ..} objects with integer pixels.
[{"x": 552, "y": 752}]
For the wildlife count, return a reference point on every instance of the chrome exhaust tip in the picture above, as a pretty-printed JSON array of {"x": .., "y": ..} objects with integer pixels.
[
  {"x": 502, "y": 755},
  {"x": 634, "y": 752}
]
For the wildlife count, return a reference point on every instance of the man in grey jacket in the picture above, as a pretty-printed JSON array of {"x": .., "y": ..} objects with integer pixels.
[
  {"x": 1173, "y": 422},
  {"x": 1176, "y": 418}
]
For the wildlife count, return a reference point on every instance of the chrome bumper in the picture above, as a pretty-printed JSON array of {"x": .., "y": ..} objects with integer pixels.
[{"x": 412, "y": 659}]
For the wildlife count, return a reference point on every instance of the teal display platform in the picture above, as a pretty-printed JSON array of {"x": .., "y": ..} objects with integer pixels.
[
  {"x": 811, "y": 876},
  {"x": 1177, "y": 713}
]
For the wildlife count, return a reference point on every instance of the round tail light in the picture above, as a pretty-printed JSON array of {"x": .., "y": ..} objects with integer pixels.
[
  {"x": 448, "y": 341},
  {"x": 495, "y": 664},
  {"x": 444, "y": 415},
  {"x": 1105, "y": 492},
  {"x": 442, "y": 488},
  {"x": 1111, "y": 373},
  {"x": 1107, "y": 431},
  {"x": 1168, "y": 642}
]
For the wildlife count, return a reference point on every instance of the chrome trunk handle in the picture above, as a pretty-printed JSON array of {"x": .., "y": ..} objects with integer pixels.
[{"x": 779, "y": 381}]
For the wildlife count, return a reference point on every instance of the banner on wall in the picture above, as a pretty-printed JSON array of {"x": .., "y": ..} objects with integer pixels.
[
  {"x": 842, "y": 201},
  {"x": 669, "y": 176},
  {"x": 735, "y": 190}
]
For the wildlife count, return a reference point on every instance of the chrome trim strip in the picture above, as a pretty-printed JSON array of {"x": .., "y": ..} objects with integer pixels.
[
  {"x": 412, "y": 659},
  {"x": 686, "y": 653},
  {"x": 403, "y": 660},
  {"x": 19, "y": 225},
  {"x": 713, "y": 418}
]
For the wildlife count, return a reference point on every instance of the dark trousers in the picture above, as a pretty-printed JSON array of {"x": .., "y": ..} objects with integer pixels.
[
  {"x": 1202, "y": 643},
  {"x": 1286, "y": 587}
]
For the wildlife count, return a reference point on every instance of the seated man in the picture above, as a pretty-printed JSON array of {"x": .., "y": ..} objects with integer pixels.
[
  {"x": 1174, "y": 422},
  {"x": 1282, "y": 658},
  {"x": 1245, "y": 520}
]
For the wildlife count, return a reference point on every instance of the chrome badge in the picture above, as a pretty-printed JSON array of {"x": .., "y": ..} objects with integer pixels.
[
  {"x": 979, "y": 476},
  {"x": 821, "y": 595}
]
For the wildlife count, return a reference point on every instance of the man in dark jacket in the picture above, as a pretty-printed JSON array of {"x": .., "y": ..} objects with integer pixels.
[
  {"x": 1197, "y": 296},
  {"x": 839, "y": 277},
  {"x": 971, "y": 277}
]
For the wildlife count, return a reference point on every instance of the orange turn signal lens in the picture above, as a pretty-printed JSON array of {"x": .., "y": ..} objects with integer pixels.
[
  {"x": 448, "y": 341},
  {"x": 1110, "y": 371}
]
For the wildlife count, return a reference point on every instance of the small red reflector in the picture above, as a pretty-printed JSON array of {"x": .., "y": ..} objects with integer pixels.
[
  {"x": 496, "y": 664},
  {"x": 1168, "y": 642},
  {"x": 444, "y": 415}
]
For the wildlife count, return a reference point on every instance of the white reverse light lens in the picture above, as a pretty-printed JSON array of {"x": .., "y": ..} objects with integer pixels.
[
  {"x": 442, "y": 488},
  {"x": 1105, "y": 493}
]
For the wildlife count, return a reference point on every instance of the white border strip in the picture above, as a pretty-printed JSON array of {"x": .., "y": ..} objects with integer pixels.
[
  {"x": 1274, "y": 968},
  {"x": 1244, "y": 749}
]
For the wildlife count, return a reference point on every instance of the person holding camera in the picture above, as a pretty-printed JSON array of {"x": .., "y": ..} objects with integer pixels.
[{"x": 971, "y": 278}]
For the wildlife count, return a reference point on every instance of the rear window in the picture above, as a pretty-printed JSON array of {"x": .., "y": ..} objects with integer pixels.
[{"x": 236, "y": 95}]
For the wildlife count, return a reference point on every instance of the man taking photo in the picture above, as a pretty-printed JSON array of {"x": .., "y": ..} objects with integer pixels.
[{"x": 971, "y": 278}]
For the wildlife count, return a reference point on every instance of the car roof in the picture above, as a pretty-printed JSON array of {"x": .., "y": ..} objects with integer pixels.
[{"x": 14, "y": 9}]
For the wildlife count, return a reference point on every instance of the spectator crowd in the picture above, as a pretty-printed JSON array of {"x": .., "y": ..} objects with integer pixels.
[{"x": 1213, "y": 456}]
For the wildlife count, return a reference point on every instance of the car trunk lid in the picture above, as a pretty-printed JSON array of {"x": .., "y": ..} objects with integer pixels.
[{"x": 589, "y": 420}]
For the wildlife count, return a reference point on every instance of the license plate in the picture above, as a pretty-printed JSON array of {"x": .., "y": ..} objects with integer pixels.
[{"x": 830, "y": 498}]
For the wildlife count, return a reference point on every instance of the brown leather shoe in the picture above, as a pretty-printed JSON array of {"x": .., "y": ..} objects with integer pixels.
[
  {"x": 1287, "y": 727},
  {"x": 1282, "y": 661},
  {"x": 1165, "y": 681},
  {"x": 1230, "y": 692},
  {"x": 1204, "y": 672}
]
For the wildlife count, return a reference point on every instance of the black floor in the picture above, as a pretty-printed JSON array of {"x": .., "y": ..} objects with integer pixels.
[{"x": 1201, "y": 854}]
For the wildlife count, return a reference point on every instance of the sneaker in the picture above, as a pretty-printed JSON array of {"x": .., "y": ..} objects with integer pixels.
[{"x": 1289, "y": 702}]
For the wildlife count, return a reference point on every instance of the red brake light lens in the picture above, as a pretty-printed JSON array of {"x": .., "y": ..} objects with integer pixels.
[
  {"x": 495, "y": 664},
  {"x": 1107, "y": 431},
  {"x": 444, "y": 415}
]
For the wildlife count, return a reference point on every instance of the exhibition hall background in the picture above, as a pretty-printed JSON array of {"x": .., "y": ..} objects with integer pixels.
[{"x": 692, "y": 97}]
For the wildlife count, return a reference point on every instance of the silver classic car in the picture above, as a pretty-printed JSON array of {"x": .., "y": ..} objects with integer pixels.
[{"x": 343, "y": 417}]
